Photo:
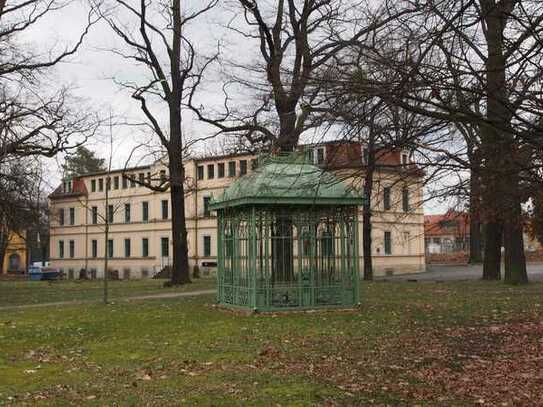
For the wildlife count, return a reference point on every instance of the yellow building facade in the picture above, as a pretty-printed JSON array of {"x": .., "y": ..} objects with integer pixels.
[
  {"x": 139, "y": 243},
  {"x": 15, "y": 258}
]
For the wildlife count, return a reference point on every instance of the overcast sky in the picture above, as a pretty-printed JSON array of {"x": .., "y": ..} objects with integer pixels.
[{"x": 93, "y": 71}]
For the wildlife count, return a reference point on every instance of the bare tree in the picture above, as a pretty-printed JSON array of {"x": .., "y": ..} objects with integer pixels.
[
  {"x": 297, "y": 44},
  {"x": 168, "y": 56},
  {"x": 35, "y": 120},
  {"x": 20, "y": 206},
  {"x": 475, "y": 63}
]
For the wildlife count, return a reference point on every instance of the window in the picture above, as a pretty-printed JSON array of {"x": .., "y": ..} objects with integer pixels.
[
  {"x": 448, "y": 224},
  {"x": 231, "y": 168},
  {"x": 141, "y": 178},
  {"x": 61, "y": 216},
  {"x": 242, "y": 167},
  {"x": 148, "y": 177},
  {"x": 165, "y": 246},
  {"x": 132, "y": 181},
  {"x": 93, "y": 185},
  {"x": 72, "y": 216},
  {"x": 207, "y": 200},
  {"x": 145, "y": 211},
  {"x": 126, "y": 213},
  {"x": 207, "y": 246},
  {"x": 61, "y": 249},
  {"x": 94, "y": 215},
  {"x": 200, "y": 172},
  {"x": 108, "y": 183},
  {"x": 116, "y": 182},
  {"x": 366, "y": 155},
  {"x": 110, "y": 213},
  {"x": 94, "y": 248},
  {"x": 126, "y": 247},
  {"x": 162, "y": 176},
  {"x": 405, "y": 199},
  {"x": 101, "y": 184},
  {"x": 405, "y": 159},
  {"x": 386, "y": 198},
  {"x": 388, "y": 243},
  {"x": 221, "y": 170},
  {"x": 110, "y": 248},
  {"x": 145, "y": 247},
  {"x": 407, "y": 242},
  {"x": 71, "y": 246},
  {"x": 310, "y": 155},
  {"x": 320, "y": 156},
  {"x": 125, "y": 182},
  {"x": 210, "y": 171},
  {"x": 164, "y": 209}
]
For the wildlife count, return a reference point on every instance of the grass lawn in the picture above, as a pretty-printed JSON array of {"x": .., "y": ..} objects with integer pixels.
[
  {"x": 22, "y": 292},
  {"x": 462, "y": 343}
]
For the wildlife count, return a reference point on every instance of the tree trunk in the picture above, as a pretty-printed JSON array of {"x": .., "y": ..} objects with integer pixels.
[
  {"x": 366, "y": 208},
  {"x": 500, "y": 176},
  {"x": 2, "y": 256},
  {"x": 282, "y": 250},
  {"x": 475, "y": 243},
  {"x": 106, "y": 253},
  {"x": 180, "y": 257},
  {"x": 493, "y": 243},
  {"x": 475, "y": 247},
  {"x": 366, "y": 231},
  {"x": 515, "y": 261},
  {"x": 180, "y": 262}
]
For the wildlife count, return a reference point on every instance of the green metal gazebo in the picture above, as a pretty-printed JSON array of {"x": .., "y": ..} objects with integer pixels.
[{"x": 287, "y": 238}]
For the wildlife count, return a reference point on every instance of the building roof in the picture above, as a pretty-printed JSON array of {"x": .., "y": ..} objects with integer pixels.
[
  {"x": 451, "y": 223},
  {"x": 78, "y": 189},
  {"x": 115, "y": 171},
  {"x": 286, "y": 180}
]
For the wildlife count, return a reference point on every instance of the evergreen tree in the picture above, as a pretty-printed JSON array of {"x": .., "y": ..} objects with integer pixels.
[{"x": 82, "y": 161}]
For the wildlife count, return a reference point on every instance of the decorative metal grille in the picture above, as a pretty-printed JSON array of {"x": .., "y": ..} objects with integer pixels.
[{"x": 273, "y": 258}]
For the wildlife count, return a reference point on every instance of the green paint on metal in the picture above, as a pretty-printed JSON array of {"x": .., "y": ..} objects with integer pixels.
[
  {"x": 287, "y": 239},
  {"x": 287, "y": 179}
]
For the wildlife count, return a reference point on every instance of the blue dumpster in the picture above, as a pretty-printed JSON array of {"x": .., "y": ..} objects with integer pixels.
[
  {"x": 43, "y": 273},
  {"x": 35, "y": 273}
]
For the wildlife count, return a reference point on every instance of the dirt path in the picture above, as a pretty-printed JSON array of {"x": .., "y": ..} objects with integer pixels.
[{"x": 132, "y": 298}]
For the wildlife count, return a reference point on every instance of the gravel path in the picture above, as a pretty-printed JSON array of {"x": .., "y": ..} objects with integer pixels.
[{"x": 134, "y": 298}]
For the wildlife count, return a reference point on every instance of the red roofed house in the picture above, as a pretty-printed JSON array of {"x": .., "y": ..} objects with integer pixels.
[{"x": 446, "y": 233}]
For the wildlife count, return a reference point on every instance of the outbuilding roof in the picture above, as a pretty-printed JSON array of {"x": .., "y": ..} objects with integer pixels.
[{"x": 286, "y": 180}]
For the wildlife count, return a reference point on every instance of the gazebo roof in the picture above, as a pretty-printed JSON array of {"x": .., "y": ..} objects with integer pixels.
[{"x": 286, "y": 180}]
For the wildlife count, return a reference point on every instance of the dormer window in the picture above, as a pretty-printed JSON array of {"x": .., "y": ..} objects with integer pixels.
[
  {"x": 315, "y": 155},
  {"x": 67, "y": 186}
]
